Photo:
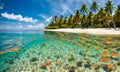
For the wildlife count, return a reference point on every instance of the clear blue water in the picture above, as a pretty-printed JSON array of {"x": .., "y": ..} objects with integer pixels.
[{"x": 39, "y": 51}]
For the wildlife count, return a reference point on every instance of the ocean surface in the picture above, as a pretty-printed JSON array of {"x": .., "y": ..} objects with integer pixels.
[{"x": 40, "y": 51}]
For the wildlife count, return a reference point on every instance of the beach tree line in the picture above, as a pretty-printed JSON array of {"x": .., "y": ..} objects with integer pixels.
[{"x": 92, "y": 17}]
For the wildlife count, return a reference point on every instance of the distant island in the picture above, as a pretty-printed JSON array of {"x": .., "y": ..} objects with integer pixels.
[{"x": 94, "y": 17}]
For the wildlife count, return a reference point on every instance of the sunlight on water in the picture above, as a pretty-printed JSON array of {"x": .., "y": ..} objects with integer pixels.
[{"x": 39, "y": 51}]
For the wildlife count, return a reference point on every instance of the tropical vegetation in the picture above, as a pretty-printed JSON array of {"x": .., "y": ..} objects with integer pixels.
[{"x": 93, "y": 17}]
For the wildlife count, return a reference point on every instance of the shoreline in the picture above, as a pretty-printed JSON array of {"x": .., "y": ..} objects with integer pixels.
[{"x": 95, "y": 31}]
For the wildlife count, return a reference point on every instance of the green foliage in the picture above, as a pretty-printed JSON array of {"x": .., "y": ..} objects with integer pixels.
[
  {"x": 94, "y": 6},
  {"x": 99, "y": 25},
  {"x": 93, "y": 18},
  {"x": 51, "y": 27},
  {"x": 64, "y": 26}
]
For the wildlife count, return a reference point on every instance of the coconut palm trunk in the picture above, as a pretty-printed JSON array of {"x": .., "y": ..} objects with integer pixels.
[
  {"x": 84, "y": 12},
  {"x": 109, "y": 9}
]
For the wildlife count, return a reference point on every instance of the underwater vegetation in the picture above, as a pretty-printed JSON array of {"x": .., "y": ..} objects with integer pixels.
[{"x": 61, "y": 52}]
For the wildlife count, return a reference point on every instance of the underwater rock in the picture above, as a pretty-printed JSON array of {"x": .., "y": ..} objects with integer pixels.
[
  {"x": 33, "y": 52},
  {"x": 35, "y": 63},
  {"x": 87, "y": 65},
  {"x": 48, "y": 57},
  {"x": 27, "y": 55},
  {"x": 39, "y": 53},
  {"x": 118, "y": 49},
  {"x": 59, "y": 63},
  {"x": 86, "y": 58},
  {"x": 98, "y": 67},
  {"x": 43, "y": 45},
  {"x": 16, "y": 56},
  {"x": 108, "y": 68},
  {"x": 66, "y": 67},
  {"x": 116, "y": 59},
  {"x": 33, "y": 70},
  {"x": 118, "y": 63},
  {"x": 57, "y": 56},
  {"x": 80, "y": 53},
  {"x": 34, "y": 59},
  {"x": 79, "y": 63},
  {"x": 70, "y": 57},
  {"x": 95, "y": 66},
  {"x": 72, "y": 69},
  {"x": 6, "y": 69},
  {"x": 23, "y": 62},
  {"x": 104, "y": 66},
  {"x": 86, "y": 48},
  {"x": 93, "y": 56},
  {"x": 43, "y": 67},
  {"x": 11, "y": 61}
]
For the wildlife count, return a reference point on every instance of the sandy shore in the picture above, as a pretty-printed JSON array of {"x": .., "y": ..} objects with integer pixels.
[{"x": 96, "y": 31}]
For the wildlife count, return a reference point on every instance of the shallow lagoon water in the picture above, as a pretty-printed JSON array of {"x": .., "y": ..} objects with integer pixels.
[{"x": 39, "y": 51}]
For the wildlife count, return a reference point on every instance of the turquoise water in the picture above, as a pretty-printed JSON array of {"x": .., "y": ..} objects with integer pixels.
[{"x": 39, "y": 51}]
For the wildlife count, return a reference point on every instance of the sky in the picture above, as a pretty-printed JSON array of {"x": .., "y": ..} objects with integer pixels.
[{"x": 36, "y": 14}]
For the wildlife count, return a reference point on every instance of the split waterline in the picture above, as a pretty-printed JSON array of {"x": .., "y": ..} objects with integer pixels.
[{"x": 41, "y": 51}]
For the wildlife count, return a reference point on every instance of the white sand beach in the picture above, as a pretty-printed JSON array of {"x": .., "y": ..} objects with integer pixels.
[{"x": 96, "y": 31}]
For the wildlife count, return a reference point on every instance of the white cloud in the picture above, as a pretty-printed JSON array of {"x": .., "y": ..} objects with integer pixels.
[
  {"x": 48, "y": 19},
  {"x": 62, "y": 7},
  {"x": 19, "y": 17},
  {"x": 31, "y": 27},
  {"x": 43, "y": 16},
  {"x": 66, "y": 9}
]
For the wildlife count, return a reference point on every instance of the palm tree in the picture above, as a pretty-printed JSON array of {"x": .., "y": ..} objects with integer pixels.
[
  {"x": 65, "y": 20},
  {"x": 90, "y": 19},
  {"x": 60, "y": 21},
  {"x": 116, "y": 17},
  {"x": 70, "y": 20},
  {"x": 83, "y": 9},
  {"x": 109, "y": 7},
  {"x": 101, "y": 16},
  {"x": 84, "y": 21},
  {"x": 77, "y": 17},
  {"x": 51, "y": 24},
  {"x": 94, "y": 6},
  {"x": 109, "y": 10},
  {"x": 84, "y": 12},
  {"x": 55, "y": 19}
]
